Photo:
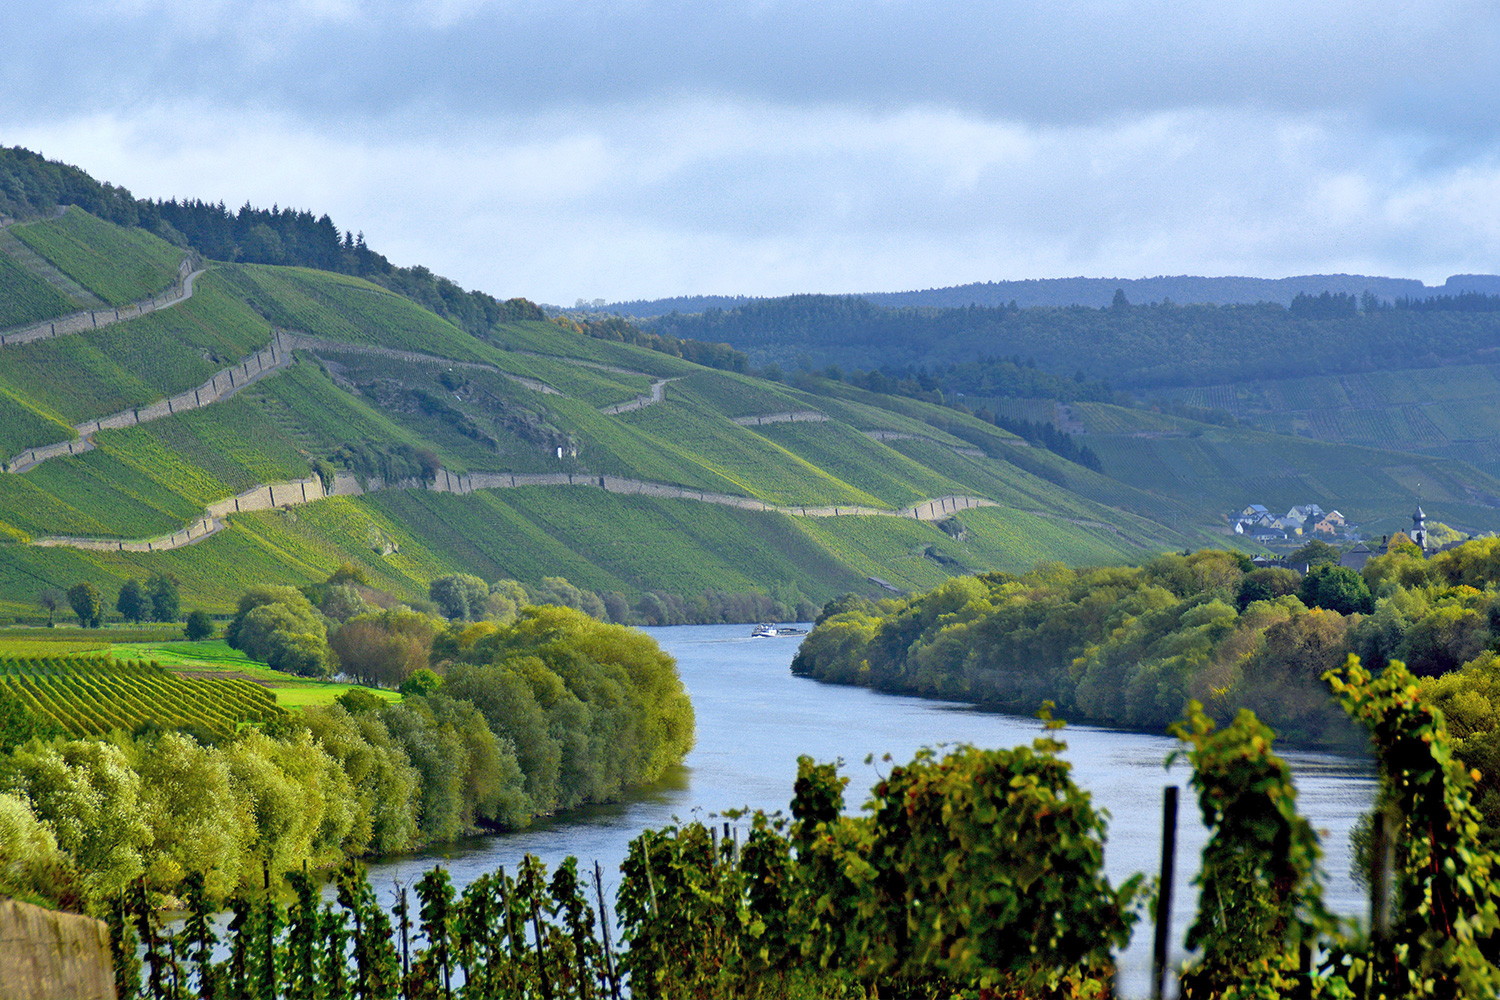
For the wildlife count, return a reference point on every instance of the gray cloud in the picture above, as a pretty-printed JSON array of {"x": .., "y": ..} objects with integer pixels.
[
  {"x": 1423, "y": 65},
  {"x": 629, "y": 149}
]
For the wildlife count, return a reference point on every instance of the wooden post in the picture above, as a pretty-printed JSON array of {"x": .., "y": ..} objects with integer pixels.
[
  {"x": 403, "y": 913},
  {"x": 1164, "y": 894},
  {"x": 1382, "y": 860},
  {"x": 609, "y": 955},
  {"x": 510, "y": 927},
  {"x": 541, "y": 958},
  {"x": 650, "y": 882}
]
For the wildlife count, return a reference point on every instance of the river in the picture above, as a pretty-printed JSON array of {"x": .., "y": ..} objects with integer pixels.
[{"x": 755, "y": 718}]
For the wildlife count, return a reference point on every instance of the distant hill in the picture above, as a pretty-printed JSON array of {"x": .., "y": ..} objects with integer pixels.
[
  {"x": 1137, "y": 347},
  {"x": 1099, "y": 292}
]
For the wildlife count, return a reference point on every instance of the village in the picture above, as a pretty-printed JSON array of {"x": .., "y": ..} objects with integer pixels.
[{"x": 1302, "y": 521}]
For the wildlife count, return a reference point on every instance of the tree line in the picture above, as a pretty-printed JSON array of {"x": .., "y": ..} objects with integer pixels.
[
  {"x": 1134, "y": 347},
  {"x": 547, "y": 712},
  {"x": 31, "y": 186},
  {"x": 1132, "y": 646}
]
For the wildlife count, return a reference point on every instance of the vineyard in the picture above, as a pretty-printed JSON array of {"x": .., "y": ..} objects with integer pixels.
[
  {"x": 545, "y": 338},
  {"x": 750, "y": 464},
  {"x": 738, "y": 395},
  {"x": 865, "y": 464},
  {"x": 25, "y": 299},
  {"x": 136, "y": 362},
  {"x": 95, "y": 254},
  {"x": 347, "y": 309},
  {"x": 90, "y": 696}
]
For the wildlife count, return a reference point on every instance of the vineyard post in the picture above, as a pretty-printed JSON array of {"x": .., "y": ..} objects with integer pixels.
[
  {"x": 403, "y": 913},
  {"x": 609, "y": 957},
  {"x": 1164, "y": 890},
  {"x": 1382, "y": 860},
  {"x": 510, "y": 927},
  {"x": 269, "y": 968},
  {"x": 541, "y": 957},
  {"x": 172, "y": 967},
  {"x": 650, "y": 882}
]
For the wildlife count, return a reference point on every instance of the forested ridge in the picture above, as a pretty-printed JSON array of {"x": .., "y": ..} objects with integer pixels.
[
  {"x": 1133, "y": 346},
  {"x": 31, "y": 186}
]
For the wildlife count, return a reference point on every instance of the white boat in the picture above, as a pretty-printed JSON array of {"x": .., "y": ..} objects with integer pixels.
[{"x": 766, "y": 630}]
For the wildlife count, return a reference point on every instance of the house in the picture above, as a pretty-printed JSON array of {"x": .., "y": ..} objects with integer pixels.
[
  {"x": 1329, "y": 524},
  {"x": 1356, "y": 557}
]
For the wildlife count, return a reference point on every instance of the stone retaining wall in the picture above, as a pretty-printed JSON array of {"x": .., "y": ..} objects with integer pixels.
[
  {"x": 180, "y": 291},
  {"x": 794, "y": 417},
  {"x": 271, "y": 358},
  {"x": 273, "y": 495},
  {"x": 656, "y": 395},
  {"x": 46, "y": 955},
  {"x": 903, "y": 436}
]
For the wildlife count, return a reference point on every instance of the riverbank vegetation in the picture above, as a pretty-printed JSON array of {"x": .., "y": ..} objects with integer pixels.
[
  {"x": 1131, "y": 646},
  {"x": 975, "y": 874},
  {"x": 119, "y": 773}
]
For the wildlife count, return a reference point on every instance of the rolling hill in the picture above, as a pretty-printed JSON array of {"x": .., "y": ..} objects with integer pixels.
[{"x": 232, "y": 422}]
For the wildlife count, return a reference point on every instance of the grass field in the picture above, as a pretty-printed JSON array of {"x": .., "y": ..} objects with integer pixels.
[
  {"x": 119, "y": 265},
  {"x": 216, "y": 656}
]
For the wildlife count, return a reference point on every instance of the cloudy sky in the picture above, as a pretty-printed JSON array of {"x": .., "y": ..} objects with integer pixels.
[{"x": 622, "y": 149}]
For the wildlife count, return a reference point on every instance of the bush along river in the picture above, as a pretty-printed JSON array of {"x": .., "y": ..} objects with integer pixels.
[{"x": 755, "y": 719}]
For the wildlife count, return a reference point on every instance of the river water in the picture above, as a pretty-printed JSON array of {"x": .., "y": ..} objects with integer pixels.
[{"x": 755, "y": 718}]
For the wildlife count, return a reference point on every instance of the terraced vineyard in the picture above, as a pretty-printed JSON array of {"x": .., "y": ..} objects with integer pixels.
[
  {"x": 467, "y": 404},
  {"x": 25, "y": 298},
  {"x": 347, "y": 309},
  {"x": 118, "y": 265},
  {"x": 90, "y": 696}
]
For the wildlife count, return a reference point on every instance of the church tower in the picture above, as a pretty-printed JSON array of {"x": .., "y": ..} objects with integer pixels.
[{"x": 1419, "y": 527}]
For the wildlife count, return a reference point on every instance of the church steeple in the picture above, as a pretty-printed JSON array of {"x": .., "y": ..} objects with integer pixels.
[{"x": 1419, "y": 524}]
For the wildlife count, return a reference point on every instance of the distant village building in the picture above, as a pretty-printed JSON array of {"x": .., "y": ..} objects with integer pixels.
[
  {"x": 1356, "y": 557},
  {"x": 1256, "y": 521}
]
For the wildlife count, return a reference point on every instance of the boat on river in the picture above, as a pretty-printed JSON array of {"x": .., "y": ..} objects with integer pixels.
[{"x": 768, "y": 630}]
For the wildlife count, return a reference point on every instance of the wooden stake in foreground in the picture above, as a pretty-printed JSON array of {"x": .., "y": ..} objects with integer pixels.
[{"x": 1164, "y": 894}]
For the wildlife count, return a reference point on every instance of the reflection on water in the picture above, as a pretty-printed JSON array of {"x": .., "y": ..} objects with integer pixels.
[{"x": 755, "y": 719}]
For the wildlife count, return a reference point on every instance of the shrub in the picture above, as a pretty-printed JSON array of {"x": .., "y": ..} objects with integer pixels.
[
  {"x": 199, "y": 625},
  {"x": 421, "y": 682}
]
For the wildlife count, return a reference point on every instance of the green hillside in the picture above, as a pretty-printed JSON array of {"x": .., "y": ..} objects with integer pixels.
[
  {"x": 1452, "y": 411},
  {"x": 382, "y": 392}
]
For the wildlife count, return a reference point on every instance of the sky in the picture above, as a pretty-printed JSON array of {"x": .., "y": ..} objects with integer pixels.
[{"x": 626, "y": 149}]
